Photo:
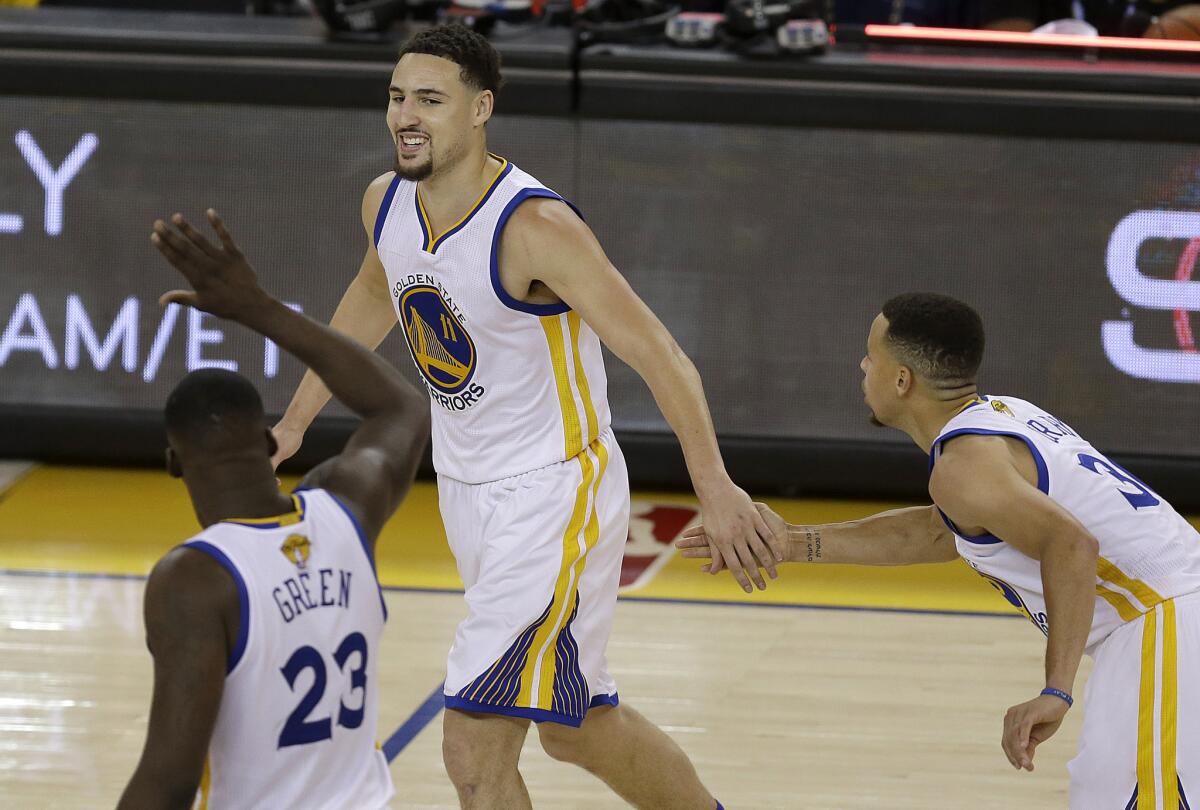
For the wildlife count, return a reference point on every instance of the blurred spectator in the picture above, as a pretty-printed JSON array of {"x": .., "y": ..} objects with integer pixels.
[
  {"x": 221, "y": 6},
  {"x": 1172, "y": 19}
]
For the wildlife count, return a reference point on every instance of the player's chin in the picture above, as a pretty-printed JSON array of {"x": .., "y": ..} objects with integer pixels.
[
  {"x": 412, "y": 167},
  {"x": 875, "y": 420}
]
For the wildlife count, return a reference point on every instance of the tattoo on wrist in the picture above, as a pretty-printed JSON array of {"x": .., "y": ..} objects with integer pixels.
[{"x": 812, "y": 541}]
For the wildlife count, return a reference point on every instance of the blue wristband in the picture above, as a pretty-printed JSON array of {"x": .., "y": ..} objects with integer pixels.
[{"x": 1058, "y": 693}]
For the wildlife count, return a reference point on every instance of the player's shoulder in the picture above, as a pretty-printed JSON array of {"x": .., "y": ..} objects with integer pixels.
[
  {"x": 190, "y": 578},
  {"x": 373, "y": 196}
]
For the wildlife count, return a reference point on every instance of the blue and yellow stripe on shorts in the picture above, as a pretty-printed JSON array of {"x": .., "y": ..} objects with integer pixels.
[
  {"x": 1158, "y": 698},
  {"x": 539, "y": 676}
]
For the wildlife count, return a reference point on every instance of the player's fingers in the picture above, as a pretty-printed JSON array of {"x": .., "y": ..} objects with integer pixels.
[
  {"x": 730, "y": 556},
  {"x": 718, "y": 561},
  {"x": 223, "y": 233},
  {"x": 195, "y": 237},
  {"x": 692, "y": 541},
  {"x": 765, "y": 532},
  {"x": 176, "y": 240},
  {"x": 168, "y": 251},
  {"x": 764, "y": 556},
  {"x": 1006, "y": 740},
  {"x": 184, "y": 297},
  {"x": 1022, "y": 743},
  {"x": 696, "y": 553},
  {"x": 694, "y": 531},
  {"x": 749, "y": 564}
]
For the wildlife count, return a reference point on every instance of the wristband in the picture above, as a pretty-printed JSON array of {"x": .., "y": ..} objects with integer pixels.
[{"x": 1058, "y": 693}]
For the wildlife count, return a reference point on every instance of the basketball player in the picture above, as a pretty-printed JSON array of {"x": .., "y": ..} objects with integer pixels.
[
  {"x": 1098, "y": 561},
  {"x": 265, "y": 627},
  {"x": 504, "y": 296}
]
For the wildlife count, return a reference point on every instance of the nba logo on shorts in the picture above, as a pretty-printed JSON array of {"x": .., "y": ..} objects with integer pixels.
[{"x": 653, "y": 527}]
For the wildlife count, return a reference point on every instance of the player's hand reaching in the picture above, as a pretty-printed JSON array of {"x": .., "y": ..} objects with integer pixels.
[
  {"x": 1029, "y": 724},
  {"x": 695, "y": 543},
  {"x": 738, "y": 537},
  {"x": 223, "y": 283}
]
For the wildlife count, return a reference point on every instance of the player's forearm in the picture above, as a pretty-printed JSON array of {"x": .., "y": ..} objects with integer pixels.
[
  {"x": 359, "y": 378},
  {"x": 1069, "y": 580},
  {"x": 679, "y": 393},
  {"x": 360, "y": 315},
  {"x": 899, "y": 537},
  {"x": 149, "y": 791}
]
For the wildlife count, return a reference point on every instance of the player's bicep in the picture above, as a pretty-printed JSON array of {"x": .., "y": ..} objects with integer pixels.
[
  {"x": 560, "y": 250},
  {"x": 187, "y": 637}
]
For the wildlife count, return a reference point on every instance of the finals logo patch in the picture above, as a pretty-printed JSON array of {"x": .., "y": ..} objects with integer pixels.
[
  {"x": 1000, "y": 407},
  {"x": 440, "y": 346},
  {"x": 297, "y": 549}
]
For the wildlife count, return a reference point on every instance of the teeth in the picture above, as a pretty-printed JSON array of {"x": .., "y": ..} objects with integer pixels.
[{"x": 413, "y": 141}]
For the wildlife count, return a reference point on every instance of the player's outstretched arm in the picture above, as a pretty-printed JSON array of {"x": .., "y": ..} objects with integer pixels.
[
  {"x": 376, "y": 468},
  {"x": 191, "y": 615},
  {"x": 545, "y": 241},
  {"x": 897, "y": 537},
  {"x": 364, "y": 313},
  {"x": 981, "y": 483}
]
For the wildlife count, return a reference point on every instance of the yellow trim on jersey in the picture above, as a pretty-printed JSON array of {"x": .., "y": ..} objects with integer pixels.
[
  {"x": 433, "y": 241},
  {"x": 287, "y": 519},
  {"x": 1145, "y": 738},
  {"x": 572, "y": 433},
  {"x": 1120, "y": 603},
  {"x": 205, "y": 785},
  {"x": 585, "y": 392},
  {"x": 968, "y": 404},
  {"x": 541, "y": 647},
  {"x": 1144, "y": 593},
  {"x": 1170, "y": 705}
]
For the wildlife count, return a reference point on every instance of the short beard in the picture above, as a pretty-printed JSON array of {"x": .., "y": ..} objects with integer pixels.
[{"x": 414, "y": 173}]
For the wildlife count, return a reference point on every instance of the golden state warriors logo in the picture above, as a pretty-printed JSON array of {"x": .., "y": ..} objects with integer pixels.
[
  {"x": 442, "y": 349},
  {"x": 297, "y": 548}
]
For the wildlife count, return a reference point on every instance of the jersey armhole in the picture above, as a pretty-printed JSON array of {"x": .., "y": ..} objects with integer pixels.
[
  {"x": 384, "y": 207},
  {"x": 1043, "y": 473},
  {"x": 243, "y": 636},
  {"x": 366, "y": 545},
  {"x": 501, "y": 293}
]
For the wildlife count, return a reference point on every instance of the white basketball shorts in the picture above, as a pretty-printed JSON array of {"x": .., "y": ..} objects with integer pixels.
[
  {"x": 540, "y": 555},
  {"x": 1140, "y": 745}
]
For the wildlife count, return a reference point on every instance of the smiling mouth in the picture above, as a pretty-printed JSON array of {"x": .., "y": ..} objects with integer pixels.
[{"x": 410, "y": 142}]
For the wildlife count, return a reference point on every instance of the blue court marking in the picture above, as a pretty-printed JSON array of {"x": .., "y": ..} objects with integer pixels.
[
  {"x": 417, "y": 721},
  {"x": 667, "y": 600}
]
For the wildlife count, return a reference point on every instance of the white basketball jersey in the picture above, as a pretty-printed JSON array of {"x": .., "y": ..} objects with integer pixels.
[
  {"x": 1148, "y": 553},
  {"x": 297, "y": 723},
  {"x": 514, "y": 386}
]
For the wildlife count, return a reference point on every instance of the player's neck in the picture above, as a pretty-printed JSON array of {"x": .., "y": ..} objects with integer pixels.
[
  {"x": 243, "y": 489},
  {"x": 448, "y": 196},
  {"x": 928, "y": 416}
]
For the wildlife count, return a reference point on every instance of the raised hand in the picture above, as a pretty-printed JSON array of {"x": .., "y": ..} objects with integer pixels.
[
  {"x": 1029, "y": 724},
  {"x": 222, "y": 281}
]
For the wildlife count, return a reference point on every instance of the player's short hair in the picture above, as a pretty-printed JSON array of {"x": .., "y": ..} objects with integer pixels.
[
  {"x": 478, "y": 61},
  {"x": 212, "y": 406},
  {"x": 938, "y": 337}
]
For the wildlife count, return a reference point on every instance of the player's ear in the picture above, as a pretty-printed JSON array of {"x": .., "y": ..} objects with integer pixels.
[
  {"x": 484, "y": 102},
  {"x": 174, "y": 468},
  {"x": 272, "y": 445},
  {"x": 904, "y": 380}
]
